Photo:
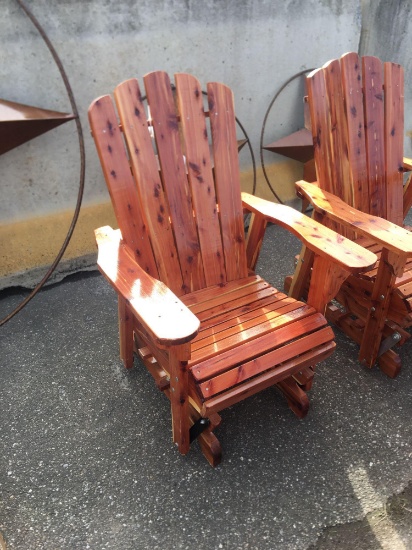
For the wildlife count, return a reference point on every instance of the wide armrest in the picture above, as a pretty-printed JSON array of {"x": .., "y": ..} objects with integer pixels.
[
  {"x": 315, "y": 236},
  {"x": 407, "y": 164},
  {"x": 160, "y": 311},
  {"x": 391, "y": 236}
]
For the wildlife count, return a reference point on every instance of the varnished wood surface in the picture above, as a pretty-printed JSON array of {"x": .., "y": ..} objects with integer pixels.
[
  {"x": 392, "y": 236},
  {"x": 159, "y": 310},
  {"x": 208, "y": 329},
  {"x": 115, "y": 165},
  {"x": 318, "y": 238}
]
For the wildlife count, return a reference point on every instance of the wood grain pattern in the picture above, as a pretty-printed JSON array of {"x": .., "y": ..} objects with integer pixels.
[
  {"x": 129, "y": 213},
  {"x": 353, "y": 95},
  {"x": 394, "y": 114},
  {"x": 154, "y": 203},
  {"x": 320, "y": 126},
  {"x": 341, "y": 184},
  {"x": 227, "y": 178},
  {"x": 380, "y": 230},
  {"x": 174, "y": 177},
  {"x": 157, "y": 308},
  {"x": 372, "y": 76},
  {"x": 315, "y": 236},
  {"x": 199, "y": 168}
]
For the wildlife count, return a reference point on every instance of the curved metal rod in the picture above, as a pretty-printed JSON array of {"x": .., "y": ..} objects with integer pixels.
[
  {"x": 82, "y": 164},
  {"x": 262, "y": 162}
]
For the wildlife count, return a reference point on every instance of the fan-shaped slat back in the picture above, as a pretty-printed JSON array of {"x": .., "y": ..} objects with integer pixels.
[
  {"x": 356, "y": 108},
  {"x": 174, "y": 179}
]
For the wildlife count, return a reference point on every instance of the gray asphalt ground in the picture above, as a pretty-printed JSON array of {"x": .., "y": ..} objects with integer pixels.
[{"x": 87, "y": 459}]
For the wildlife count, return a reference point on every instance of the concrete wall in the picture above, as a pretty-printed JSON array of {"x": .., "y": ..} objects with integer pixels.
[
  {"x": 254, "y": 46},
  {"x": 387, "y": 34}
]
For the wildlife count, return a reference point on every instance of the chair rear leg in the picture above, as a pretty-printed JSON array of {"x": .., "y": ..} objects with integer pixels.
[{"x": 295, "y": 396}]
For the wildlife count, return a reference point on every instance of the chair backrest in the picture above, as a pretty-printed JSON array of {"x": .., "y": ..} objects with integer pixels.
[
  {"x": 357, "y": 113},
  {"x": 176, "y": 197}
]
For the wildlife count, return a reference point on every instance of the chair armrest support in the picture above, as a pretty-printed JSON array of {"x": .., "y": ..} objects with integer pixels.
[
  {"x": 407, "y": 164},
  {"x": 389, "y": 235},
  {"x": 159, "y": 310},
  {"x": 321, "y": 240}
]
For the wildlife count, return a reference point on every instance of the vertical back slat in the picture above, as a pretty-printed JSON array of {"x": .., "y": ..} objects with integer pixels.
[
  {"x": 321, "y": 130},
  {"x": 394, "y": 115},
  {"x": 374, "y": 131},
  {"x": 145, "y": 169},
  {"x": 227, "y": 178},
  {"x": 175, "y": 182},
  {"x": 341, "y": 182},
  {"x": 199, "y": 167},
  {"x": 122, "y": 188},
  {"x": 352, "y": 91}
]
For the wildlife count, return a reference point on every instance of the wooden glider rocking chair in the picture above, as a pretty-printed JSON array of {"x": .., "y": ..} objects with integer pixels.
[
  {"x": 356, "y": 112},
  {"x": 209, "y": 330}
]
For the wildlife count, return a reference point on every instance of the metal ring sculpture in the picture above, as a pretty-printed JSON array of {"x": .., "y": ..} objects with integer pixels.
[{"x": 82, "y": 164}]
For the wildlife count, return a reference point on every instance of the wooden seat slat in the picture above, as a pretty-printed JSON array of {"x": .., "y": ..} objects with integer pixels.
[
  {"x": 265, "y": 380},
  {"x": 261, "y": 309},
  {"x": 204, "y": 365},
  {"x": 206, "y": 294},
  {"x": 264, "y": 362},
  {"x": 230, "y": 329},
  {"x": 212, "y": 314},
  {"x": 266, "y": 297},
  {"x": 223, "y": 300},
  {"x": 247, "y": 336}
]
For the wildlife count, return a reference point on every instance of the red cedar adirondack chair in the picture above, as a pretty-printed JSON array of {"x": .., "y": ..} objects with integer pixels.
[
  {"x": 209, "y": 330},
  {"x": 357, "y": 112}
]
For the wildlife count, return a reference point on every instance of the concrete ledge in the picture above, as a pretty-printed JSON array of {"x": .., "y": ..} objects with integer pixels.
[{"x": 28, "y": 247}]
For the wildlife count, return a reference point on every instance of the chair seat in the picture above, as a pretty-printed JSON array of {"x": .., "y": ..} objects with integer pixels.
[{"x": 251, "y": 337}]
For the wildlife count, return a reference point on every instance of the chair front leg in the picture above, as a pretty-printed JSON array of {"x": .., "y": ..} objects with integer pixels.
[
  {"x": 125, "y": 332},
  {"x": 179, "y": 396},
  {"x": 390, "y": 266},
  {"x": 326, "y": 280}
]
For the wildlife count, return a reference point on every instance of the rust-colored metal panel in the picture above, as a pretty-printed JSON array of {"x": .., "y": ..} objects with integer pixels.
[{"x": 20, "y": 123}]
